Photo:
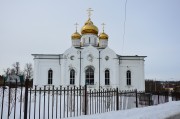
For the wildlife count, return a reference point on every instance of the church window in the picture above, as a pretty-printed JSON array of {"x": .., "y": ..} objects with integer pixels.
[
  {"x": 72, "y": 76},
  {"x": 50, "y": 76},
  {"x": 128, "y": 76},
  {"x": 107, "y": 77},
  {"x": 90, "y": 76}
]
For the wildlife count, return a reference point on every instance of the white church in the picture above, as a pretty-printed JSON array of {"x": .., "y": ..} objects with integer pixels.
[{"x": 89, "y": 61}]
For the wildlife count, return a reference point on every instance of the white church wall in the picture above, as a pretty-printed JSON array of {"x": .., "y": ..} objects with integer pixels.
[
  {"x": 68, "y": 64},
  {"x": 109, "y": 61},
  {"x": 36, "y": 72},
  {"x": 137, "y": 74},
  {"x": 90, "y": 58},
  {"x": 44, "y": 65}
]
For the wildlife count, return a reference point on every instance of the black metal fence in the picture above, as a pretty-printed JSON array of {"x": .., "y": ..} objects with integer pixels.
[{"x": 25, "y": 102}]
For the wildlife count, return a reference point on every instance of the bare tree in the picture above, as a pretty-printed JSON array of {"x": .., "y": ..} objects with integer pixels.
[
  {"x": 16, "y": 67},
  {"x": 28, "y": 71},
  {"x": 7, "y": 71}
]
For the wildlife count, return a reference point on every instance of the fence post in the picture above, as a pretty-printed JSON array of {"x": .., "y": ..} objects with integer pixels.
[
  {"x": 174, "y": 98},
  {"x": 2, "y": 99},
  {"x": 166, "y": 96},
  {"x": 149, "y": 99},
  {"x": 85, "y": 98},
  {"x": 158, "y": 97},
  {"x": 136, "y": 99},
  {"x": 26, "y": 98},
  {"x": 117, "y": 99},
  {"x": 9, "y": 99}
]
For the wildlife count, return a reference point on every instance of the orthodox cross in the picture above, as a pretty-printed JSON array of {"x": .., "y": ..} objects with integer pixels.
[
  {"x": 89, "y": 12},
  {"x": 103, "y": 24},
  {"x": 76, "y": 24}
]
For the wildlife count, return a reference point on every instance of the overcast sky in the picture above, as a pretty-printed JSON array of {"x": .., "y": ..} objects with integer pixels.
[{"x": 45, "y": 27}]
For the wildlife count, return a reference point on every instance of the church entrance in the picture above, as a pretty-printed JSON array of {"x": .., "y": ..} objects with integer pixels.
[{"x": 90, "y": 76}]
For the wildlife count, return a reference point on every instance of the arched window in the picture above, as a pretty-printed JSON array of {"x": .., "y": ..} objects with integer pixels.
[
  {"x": 90, "y": 76},
  {"x": 72, "y": 76},
  {"x": 128, "y": 76},
  {"x": 50, "y": 76},
  {"x": 107, "y": 77}
]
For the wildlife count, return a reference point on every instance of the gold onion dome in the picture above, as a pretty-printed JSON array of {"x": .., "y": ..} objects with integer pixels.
[
  {"x": 75, "y": 35},
  {"x": 103, "y": 36},
  {"x": 89, "y": 27}
]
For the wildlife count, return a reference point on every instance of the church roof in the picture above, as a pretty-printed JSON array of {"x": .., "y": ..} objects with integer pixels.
[
  {"x": 131, "y": 57},
  {"x": 47, "y": 56}
]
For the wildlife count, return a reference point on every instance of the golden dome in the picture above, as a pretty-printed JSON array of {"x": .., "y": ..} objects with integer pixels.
[
  {"x": 103, "y": 36},
  {"x": 89, "y": 27},
  {"x": 75, "y": 35}
]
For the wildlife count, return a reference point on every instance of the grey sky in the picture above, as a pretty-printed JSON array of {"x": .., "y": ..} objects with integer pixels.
[{"x": 152, "y": 29}]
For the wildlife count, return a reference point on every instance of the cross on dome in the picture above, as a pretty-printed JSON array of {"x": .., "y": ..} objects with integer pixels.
[
  {"x": 76, "y": 24},
  {"x": 103, "y": 24},
  {"x": 89, "y": 27},
  {"x": 76, "y": 35},
  {"x": 103, "y": 35},
  {"x": 89, "y": 12}
]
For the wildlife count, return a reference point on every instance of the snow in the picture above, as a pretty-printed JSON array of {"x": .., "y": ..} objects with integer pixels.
[{"x": 161, "y": 111}]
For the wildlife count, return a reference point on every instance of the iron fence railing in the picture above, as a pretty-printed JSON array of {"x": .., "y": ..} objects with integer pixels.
[{"x": 25, "y": 102}]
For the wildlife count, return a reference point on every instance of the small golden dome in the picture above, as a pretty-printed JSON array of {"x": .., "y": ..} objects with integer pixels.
[
  {"x": 89, "y": 27},
  {"x": 103, "y": 36},
  {"x": 75, "y": 35}
]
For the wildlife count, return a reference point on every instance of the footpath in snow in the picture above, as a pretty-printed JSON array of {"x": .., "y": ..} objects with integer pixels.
[{"x": 170, "y": 110}]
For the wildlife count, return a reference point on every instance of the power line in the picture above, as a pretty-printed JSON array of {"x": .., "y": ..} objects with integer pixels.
[{"x": 124, "y": 25}]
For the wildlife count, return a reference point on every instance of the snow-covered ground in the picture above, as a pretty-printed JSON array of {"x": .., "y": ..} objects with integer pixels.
[{"x": 170, "y": 110}]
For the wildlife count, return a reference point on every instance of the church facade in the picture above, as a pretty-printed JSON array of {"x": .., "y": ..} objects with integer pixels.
[{"x": 89, "y": 61}]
